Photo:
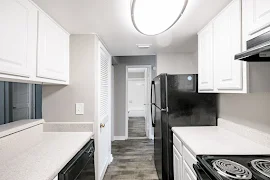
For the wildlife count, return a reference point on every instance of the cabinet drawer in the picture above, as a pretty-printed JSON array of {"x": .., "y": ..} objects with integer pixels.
[
  {"x": 189, "y": 158},
  {"x": 188, "y": 174},
  {"x": 178, "y": 144}
]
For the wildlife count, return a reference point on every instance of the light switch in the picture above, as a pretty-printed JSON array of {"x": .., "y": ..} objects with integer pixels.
[{"x": 79, "y": 108}]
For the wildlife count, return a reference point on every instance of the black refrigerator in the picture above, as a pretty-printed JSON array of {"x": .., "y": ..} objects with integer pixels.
[{"x": 175, "y": 101}]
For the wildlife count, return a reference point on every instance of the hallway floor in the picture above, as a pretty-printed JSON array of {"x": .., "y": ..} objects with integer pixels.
[
  {"x": 136, "y": 127},
  {"x": 133, "y": 159}
]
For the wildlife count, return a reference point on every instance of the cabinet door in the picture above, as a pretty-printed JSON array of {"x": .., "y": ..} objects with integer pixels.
[
  {"x": 18, "y": 19},
  {"x": 53, "y": 50},
  {"x": 187, "y": 173},
  {"x": 227, "y": 43},
  {"x": 205, "y": 64},
  {"x": 258, "y": 12},
  {"x": 177, "y": 164}
]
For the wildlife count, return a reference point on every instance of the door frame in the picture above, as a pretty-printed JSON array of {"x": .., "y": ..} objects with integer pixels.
[{"x": 149, "y": 69}]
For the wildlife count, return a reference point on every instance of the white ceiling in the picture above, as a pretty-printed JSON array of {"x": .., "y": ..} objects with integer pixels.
[{"x": 111, "y": 20}]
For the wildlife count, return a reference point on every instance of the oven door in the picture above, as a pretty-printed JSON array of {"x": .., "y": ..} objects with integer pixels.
[{"x": 201, "y": 174}]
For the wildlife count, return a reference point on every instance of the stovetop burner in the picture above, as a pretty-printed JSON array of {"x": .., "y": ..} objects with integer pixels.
[
  {"x": 231, "y": 169},
  {"x": 262, "y": 166}
]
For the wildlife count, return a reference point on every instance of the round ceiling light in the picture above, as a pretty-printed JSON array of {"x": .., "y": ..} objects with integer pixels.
[{"x": 152, "y": 17}]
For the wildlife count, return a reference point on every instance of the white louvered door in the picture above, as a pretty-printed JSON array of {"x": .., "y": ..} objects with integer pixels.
[{"x": 104, "y": 110}]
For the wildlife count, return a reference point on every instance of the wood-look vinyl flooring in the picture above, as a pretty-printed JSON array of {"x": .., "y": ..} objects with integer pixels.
[
  {"x": 136, "y": 127},
  {"x": 133, "y": 159}
]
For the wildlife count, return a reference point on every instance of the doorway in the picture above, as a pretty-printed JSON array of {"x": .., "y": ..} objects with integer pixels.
[{"x": 138, "y": 81}]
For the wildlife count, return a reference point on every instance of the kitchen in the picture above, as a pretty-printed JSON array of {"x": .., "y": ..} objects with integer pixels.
[{"x": 75, "y": 51}]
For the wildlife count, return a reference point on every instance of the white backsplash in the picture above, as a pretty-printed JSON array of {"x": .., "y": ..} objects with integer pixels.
[
  {"x": 68, "y": 127},
  {"x": 247, "y": 132}
]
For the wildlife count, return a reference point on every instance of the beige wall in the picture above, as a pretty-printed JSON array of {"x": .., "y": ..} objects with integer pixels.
[
  {"x": 59, "y": 101},
  {"x": 177, "y": 63},
  {"x": 252, "y": 109}
]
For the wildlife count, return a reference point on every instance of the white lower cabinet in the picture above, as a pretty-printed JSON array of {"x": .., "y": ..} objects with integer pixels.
[
  {"x": 187, "y": 173},
  {"x": 177, "y": 164},
  {"x": 183, "y": 162}
]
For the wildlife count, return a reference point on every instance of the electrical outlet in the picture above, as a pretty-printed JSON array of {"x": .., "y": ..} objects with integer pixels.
[{"x": 79, "y": 108}]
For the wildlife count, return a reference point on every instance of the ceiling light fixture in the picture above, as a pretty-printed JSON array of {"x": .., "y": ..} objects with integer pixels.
[{"x": 152, "y": 17}]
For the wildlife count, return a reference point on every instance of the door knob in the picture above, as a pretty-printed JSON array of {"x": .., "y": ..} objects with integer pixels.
[{"x": 102, "y": 125}]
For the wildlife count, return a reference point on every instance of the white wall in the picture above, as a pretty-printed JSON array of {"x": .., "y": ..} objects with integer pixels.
[
  {"x": 136, "y": 98},
  {"x": 59, "y": 101},
  {"x": 177, "y": 63}
]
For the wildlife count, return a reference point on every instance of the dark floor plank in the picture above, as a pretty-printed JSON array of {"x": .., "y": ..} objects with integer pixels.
[
  {"x": 136, "y": 127},
  {"x": 133, "y": 160}
]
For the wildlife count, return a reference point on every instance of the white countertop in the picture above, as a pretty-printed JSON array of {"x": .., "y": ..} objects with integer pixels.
[
  {"x": 216, "y": 140},
  {"x": 44, "y": 160}
]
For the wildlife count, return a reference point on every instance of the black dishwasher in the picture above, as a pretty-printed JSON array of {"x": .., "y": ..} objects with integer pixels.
[{"x": 81, "y": 166}]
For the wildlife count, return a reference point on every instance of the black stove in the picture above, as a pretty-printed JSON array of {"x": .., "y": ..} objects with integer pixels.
[{"x": 233, "y": 167}]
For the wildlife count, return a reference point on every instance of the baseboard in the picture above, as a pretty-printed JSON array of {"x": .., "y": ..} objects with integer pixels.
[
  {"x": 111, "y": 159},
  {"x": 119, "y": 138},
  {"x": 137, "y": 138},
  {"x": 136, "y": 113}
]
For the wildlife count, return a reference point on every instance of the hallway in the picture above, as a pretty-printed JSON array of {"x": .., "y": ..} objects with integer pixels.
[
  {"x": 133, "y": 160},
  {"x": 136, "y": 127}
]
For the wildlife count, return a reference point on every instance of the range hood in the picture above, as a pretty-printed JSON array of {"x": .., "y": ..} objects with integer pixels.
[{"x": 258, "y": 49}]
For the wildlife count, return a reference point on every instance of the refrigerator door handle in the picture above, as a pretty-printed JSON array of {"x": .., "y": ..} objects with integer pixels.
[
  {"x": 152, "y": 103},
  {"x": 164, "y": 110}
]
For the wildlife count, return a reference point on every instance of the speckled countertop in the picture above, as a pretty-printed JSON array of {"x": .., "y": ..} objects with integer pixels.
[
  {"x": 216, "y": 140},
  {"x": 44, "y": 160}
]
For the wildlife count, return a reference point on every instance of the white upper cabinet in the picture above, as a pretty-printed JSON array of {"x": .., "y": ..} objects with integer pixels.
[
  {"x": 219, "y": 42},
  {"x": 257, "y": 15},
  {"x": 205, "y": 61},
  {"x": 18, "y": 32},
  {"x": 227, "y": 43},
  {"x": 53, "y": 50},
  {"x": 33, "y": 48}
]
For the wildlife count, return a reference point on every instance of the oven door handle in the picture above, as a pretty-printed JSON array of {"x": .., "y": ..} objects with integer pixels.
[{"x": 197, "y": 169}]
